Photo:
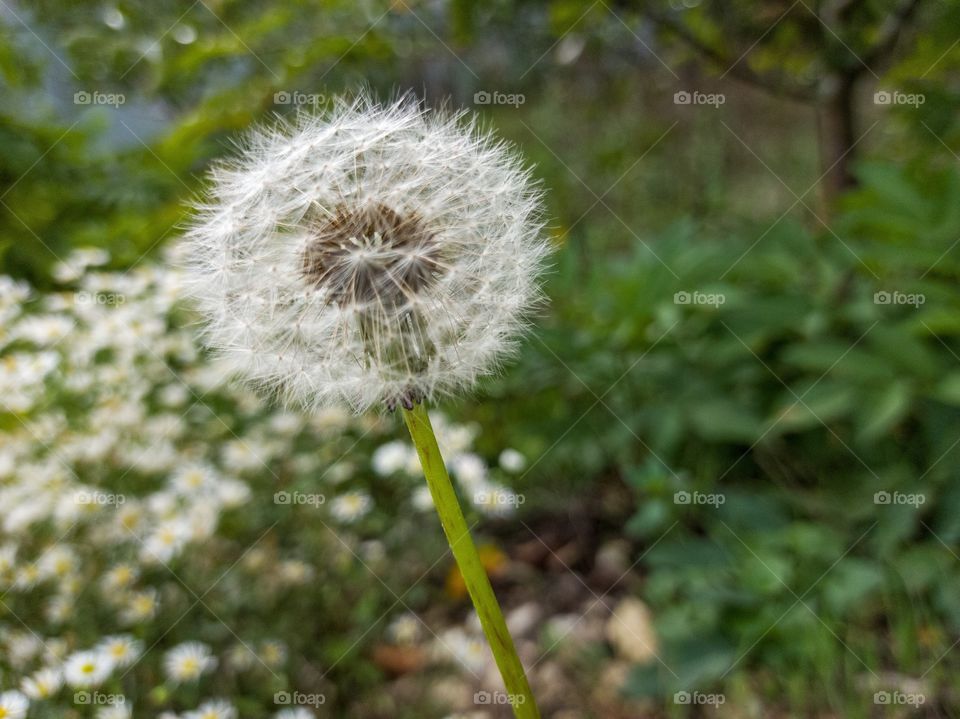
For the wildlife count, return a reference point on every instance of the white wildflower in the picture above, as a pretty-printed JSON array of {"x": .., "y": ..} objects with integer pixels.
[
  {"x": 391, "y": 458},
  {"x": 13, "y": 705},
  {"x": 43, "y": 683},
  {"x": 512, "y": 461},
  {"x": 188, "y": 661},
  {"x": 123, "y": 650},
  {"x": 118, "y": 710},
  {"x": 295, "y": 713},
  {"x": 351, "y": 506},
  {"x": 140, "y": 607},
  {"x": 166, "y": 541},
  {"x": 216, "y": 709},
  {"x": 87, "y": 669}
]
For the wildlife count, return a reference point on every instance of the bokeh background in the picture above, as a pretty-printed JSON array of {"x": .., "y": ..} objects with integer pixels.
[{"x": 721, "y": 477}]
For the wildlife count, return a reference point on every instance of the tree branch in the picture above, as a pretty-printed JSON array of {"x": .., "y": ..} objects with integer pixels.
[{"x": 735, "y": 66}]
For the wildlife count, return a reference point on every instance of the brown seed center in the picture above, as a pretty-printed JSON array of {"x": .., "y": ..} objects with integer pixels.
[{"x": 370, "y": 256}]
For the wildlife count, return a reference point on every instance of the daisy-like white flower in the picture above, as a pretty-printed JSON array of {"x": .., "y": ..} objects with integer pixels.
[
  {"x": 124, "y": 649},
  {"x": 43, "y": 683},
  {"x": 140, "y": 606},
  {"x": 273, "y": 653},
  {"x": 87, "y": 669},
  {"x": 465, "y": 648},
  {"x": 119, "y": 710},
  {"x": 166, "y": 541},
  {"x": 405, "y": 629},
  {"x": 13, "y": 705},
  {"x": 118, "y": 578},
  {"x": 295, "y": 713},
  {"x": 351, "y": 506},
  {"x": 376, "y": 254},
  {"x": 391, "y": 457},
  {"x": 192, "y": 479},
  {"x": 512, "y": 461},
  {"x": 216, "y": 709},
  {"x": 188, "y": 661}
]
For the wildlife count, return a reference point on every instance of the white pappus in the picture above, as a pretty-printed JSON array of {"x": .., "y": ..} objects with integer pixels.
[{"x": 375, "y": 254}]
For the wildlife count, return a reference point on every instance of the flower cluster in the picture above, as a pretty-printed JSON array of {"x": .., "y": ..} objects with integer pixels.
[{"x": 134, "y": 481}]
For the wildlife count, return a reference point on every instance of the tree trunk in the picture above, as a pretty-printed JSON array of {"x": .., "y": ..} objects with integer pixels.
[{"x": 837, "y": 130}]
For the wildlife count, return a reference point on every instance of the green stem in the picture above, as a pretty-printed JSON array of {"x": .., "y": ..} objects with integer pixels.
[{"x": 468, "y": 559}]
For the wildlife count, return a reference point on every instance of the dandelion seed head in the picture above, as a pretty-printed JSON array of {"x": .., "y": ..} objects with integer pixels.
[{"x": 379, "y": 253}]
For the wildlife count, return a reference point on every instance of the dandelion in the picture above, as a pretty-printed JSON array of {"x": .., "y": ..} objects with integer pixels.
[
  {"x": 379, "y": 255},
  {"x": 87, "y": 669},
  {"x": 13, "y": 705},
  {"x": 188, "y": 661}
]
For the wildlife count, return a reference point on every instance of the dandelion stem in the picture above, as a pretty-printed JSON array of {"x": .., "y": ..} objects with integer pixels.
[{"x": 468, "y": 559}]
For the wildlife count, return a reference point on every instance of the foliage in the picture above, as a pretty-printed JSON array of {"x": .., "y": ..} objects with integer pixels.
[{"x": 823, "y": 373}]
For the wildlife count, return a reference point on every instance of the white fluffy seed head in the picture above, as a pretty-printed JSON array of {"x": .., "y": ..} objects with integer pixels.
[{"x": 373, "y": 255}]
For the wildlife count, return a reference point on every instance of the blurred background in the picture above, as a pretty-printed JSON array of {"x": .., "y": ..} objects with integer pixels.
[{"x": 721, "y": 478}]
